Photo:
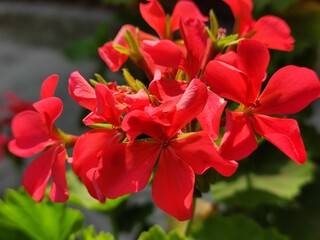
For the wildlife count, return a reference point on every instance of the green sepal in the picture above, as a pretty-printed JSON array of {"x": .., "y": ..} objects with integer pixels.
[
  {"x": 121, "y": 49},
  {"x": 130, "y": 80},
  {"x": 101, "y": 125},
  {"x": 228, "y": 40},
  {"x": 131, "y": 41},
  {"x": 140, "y": 85},
  {"x": 168, "y": 34},
  {"x": 100, "y": 79},
  {"x": 214, "y": 25}
]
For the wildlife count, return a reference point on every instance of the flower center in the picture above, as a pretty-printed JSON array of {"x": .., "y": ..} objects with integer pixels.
[{"x": 249, "y": 109}]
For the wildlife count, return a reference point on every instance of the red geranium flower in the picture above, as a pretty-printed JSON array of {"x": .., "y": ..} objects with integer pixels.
[
  {"x": 270, "y": 30},
  {"x": 127, "y": 167},
  {"x": 34, "y": 132},
  {"x": 288, "y": 91}
]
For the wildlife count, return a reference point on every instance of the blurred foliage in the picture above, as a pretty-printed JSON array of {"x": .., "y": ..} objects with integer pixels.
[
  {"x": 23, "y": 218},
  {"x": 251, "y": 189},
  {"x": 234, "y": 227},
  {"x": 157, "y": 233},
  {"x": 90, "y": 234}
]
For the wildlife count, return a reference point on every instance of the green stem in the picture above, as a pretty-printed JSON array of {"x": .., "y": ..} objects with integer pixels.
[
  {"x": 249, "y": 181},
  {"x": 190, "y": 222}
]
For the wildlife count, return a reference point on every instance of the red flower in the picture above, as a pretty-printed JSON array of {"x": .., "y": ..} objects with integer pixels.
[
  {"x": 115, "y": 58},
  {"x": 270, "y": 30},
  {"x": 34, "y": 132},
  {"x": 288, "y": 91},
  {"x": 82, "y": 92},
  {"x": 153, "y": 13},
  {"x": 127, "y": 167},
  {"x": 106, "y": 102}
]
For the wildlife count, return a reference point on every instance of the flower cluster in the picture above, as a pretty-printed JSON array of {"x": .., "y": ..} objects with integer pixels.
[{"x": 169, "y": 131}]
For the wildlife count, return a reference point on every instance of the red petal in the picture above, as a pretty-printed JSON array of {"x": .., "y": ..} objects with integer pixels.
[
  {"x": 165, "y": 89},
  {"x": 138, "y": 122},
  {"x": 85, "y": 157},
  {"x": 59, "y": 189},
  {"x": 107, "y": 106},
  {"x": 81, "y": 91},
  {"x": 200, "y": 153},
  {"x": 90, "y": 181},
  {"x": 230, "y": 58},
  {"x": 210, "y": 117},
  {"x": 127, "y": 167},
  {"x": 284, "y": 133},
  {"x": 239, "y": 140},
  {"x": 289, "y": 91},
  {"x": 195, "y": 38},
  {"x": 253, "y": 59},
  {"x": 241, "y": 10},
  {"x": 49, "y": 86},
  {"x": 274, "y": 33},
  {"x": 110, "y": 55},
  {"x": 188, "y": 107},
  {"x": 163, "y": 53},
  {"x": 153, "y": 13},
  {"x": 172, "y": 187},
  {"x": 50, "y": 109},
  {"x": 30, "y": 134},
  {"x": 36, "y": 176},
  {"x": 138, "y": 100},
  {"x": 185, "y": 9},
  {"x": 226, "y": 81}
]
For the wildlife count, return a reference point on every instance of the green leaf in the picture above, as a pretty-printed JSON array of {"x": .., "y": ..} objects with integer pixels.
[
  {"x": 90, "y": 234},
  {"x": 154, "y": 233},
  {"x": 19, "y": 213},
  {"x": 80, "y": 196},
  {"x": 285, "y": 184},
  {"x": 235, "y": 227},
  {"x": 252, "y": 198},
  {"x": 300, "y": 220},
  {"x": 157, "y": 233}
]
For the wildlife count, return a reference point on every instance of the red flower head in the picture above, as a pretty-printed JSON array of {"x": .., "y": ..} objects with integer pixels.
[
  {"x": 272, "y": 31},
  {"x": 288, "y": 91},
  {"x": 34, "y": 132},
  {"x": 127, "y": 167}
]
